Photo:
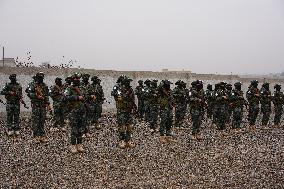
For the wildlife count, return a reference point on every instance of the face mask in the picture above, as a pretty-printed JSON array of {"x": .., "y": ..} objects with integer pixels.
[
  {"x": 59, "y": 83},
  {"x": 76, "y": 82},
  {"x": 13, "y": 80},
  {"x": 40, "y": 79},
  {"x": 238, "y": 88}
]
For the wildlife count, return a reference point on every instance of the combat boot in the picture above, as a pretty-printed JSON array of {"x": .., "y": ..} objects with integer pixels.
[
  {"x": 17, "y": 133},
  {"x": 10, "y": 133},
  {"x": 98, "y": 126},
  {"x": 43, "y": 139},
  {"x": 37, "y": 140},
  {"x": 163, "y": 139},
  {"x": 80, "y": 148},
  {"x": 199, "y": 137},
  {"x": 130, "y": 144},
  {"x": 122, "y": 144},
  {"x": 73, "y": 149}
]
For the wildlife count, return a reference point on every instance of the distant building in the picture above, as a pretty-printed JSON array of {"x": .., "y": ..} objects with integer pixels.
[
  {"x": 176, "y": 71},
  {"x": 8, "y": 62}
]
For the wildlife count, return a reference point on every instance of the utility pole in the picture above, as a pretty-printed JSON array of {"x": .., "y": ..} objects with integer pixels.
[{"x": 3, "y": 56}]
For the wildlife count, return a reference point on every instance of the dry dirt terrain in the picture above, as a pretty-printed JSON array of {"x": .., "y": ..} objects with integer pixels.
[{"x": 239, "y": 160}]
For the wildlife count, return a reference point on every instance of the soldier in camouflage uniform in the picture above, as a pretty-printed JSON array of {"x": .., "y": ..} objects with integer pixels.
[
  {"x": 237, "y": 103},
  {"x": 221, "y": 99},
  {"x": 66, "y": 108},
  {"x": 74, "y": 96},
  {"x": 278, "y": 101},
  {"x": 166, "y": 104},
  {"x": 253, "y": 97},
  {"x": 125, "y": 104},
  {"x": 197, "y": 107},
  {"x": 57, "y": 95},
  {"x": 100, "y": 98},
  {"x": 209, "y": 101},
  {"x": 153, "y": 105},
  {"x": 228, "y": 105},
  {"x": 13, "y": 95},
  {"x": 146, "y": 101},
  {"x": 180, "y": 95},
  {"x": 86, "y": 87},
  {"x": 214, "y": 103},
  {"x": 265, "y": 101},
  {"x": 38, "y": 92},
  {"x": 139, "y": 92}
]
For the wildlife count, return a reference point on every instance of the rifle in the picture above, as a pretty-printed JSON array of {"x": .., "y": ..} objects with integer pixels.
[
  {"x": 2, "y": 102},
  {"x": 23, "y": 102}
]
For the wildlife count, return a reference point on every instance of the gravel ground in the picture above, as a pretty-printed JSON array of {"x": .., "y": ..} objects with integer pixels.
[{"x": 239, "y": 160}]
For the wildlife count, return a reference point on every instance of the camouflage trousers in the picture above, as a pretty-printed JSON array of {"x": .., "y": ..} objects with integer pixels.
[
  {"x": 180, "y": 112},
  {"x": 38, "y": 120},
  {"x": 77, "y": 123},
  {"x": 58, "y": 116},
  {"x": 196, "y": 118},
  {"x": 266, "y": 111},
  {"x": 13, "y": 116},
  {"x": 253, "y": 113},
  {"x": 94, "y": 113},
  {"x": 125, "y": 124},
  {"x": 166, "y": 121},
  {"x": 141, "y": 108},
  {"x": 153, "y": 119},
  {"x": 100, "y": 109},
  {"x": 209, "y": 110},
  {"x": 237, "y": 117},
  {"x": 278, "y": 109},
  {"x": 147, "y": 111},
  {"x": 221, "y": 115}
]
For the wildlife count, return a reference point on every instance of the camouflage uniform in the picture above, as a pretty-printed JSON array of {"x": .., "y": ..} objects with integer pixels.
[
  {"x": 209, "y": 101},
  {"x": 197, "y": 106},
  {"x": 221, "y": 98},
  {"x": 38, "y": 92},
  {"x": 228, "y": 104},
  {"x": 125, "y": 104},
  {"x": 265, "y": 101},
  {"x": 74, "y": 96},
  {"x": 166, "y": 109},
  {"x": 96, "y": 104},
  {"x": 153, "y": 105},
  {"x": 56, "y": 93},
  {"x": 214, "y": 103},
  {"x": 13, "y": 95},
  {"x": 146, "y": 101},
  {"x": 87, "y": 90},
  {"x": 237, "y": 104},
  {"x": 180, "y": 95},
  {"x": 278, "y": 101},
  {"x": 66, "y": 106},
  {"x": 139, "y": 92},
  {"x": 100, "y": 97},
  {"x": 253, "y": 98}
]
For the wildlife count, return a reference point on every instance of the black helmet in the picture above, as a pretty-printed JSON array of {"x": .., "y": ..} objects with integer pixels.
[
  {"x": 147, "y": 81},
  {"x": 277, "y": 86},
  {"x": 85, "y": 76},
  {"x": 120, "y": 78},
  {"x": 254, "y": 82},
  {"x": 238, "y": 84},
  {"x": 76, "y": 76},
  {"x": 12, "y": 76},
  {"x": 58, "y": 79},
  {"x": 209, "y": 87},
  {"x": 140, "y": 81},
  {"x": 94, "y": 78},
  {"x": 39, "y": 75}
]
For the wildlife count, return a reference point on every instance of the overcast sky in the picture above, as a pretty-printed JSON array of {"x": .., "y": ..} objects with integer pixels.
[{"x": 204, "y": 36}]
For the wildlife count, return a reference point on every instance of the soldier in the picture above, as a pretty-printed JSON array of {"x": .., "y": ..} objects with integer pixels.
[
  {"x": 237, "y": 103},
  {"x": 139, "y": 92},
  {"x": 209, "y": 101},
  {"x": 56, "y": 93},
  {"x": 95, "y": 100},
  {"x": 125, "y": 104},
  {"x": 38, "y": 92},
  {"x": 278, "y": 101},
  {"x": 197, "y": 107},
  {"x": 214, "y": 104},
  {"x": 221, "y": 98},
  {"x": 180, "y": 95},
  {"x": 146, "y": 101},
  {"x": 66, "y": 108},
  {"x": 253, "y": 98},
  {"x": 86, "y": 88},
  {"x": 153, "y": 105},
  {"x": 13, "y": 95},
  {"x": 228, "y": 105},
  {"x": 100, "y": 98},
  {"x": 166, "y": 110},
  {"x": 74, "y": 96},
  {"x": 265, "y": 101}
]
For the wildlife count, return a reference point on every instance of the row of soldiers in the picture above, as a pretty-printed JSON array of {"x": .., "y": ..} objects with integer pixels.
[
  {"x": 81, "y": 103},
  {"x": 78, "y": 101},
  {"x": 222, "y": 105}
]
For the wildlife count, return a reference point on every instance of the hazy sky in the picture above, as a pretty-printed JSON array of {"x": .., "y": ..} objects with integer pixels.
[{"x": 204, "y": 36}]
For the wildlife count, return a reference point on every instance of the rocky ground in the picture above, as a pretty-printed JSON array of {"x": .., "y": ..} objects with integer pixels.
[{"x": 239, "y": 160}]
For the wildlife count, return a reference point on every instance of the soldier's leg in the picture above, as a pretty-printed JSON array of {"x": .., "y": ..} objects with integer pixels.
[
  {"x": 56, "y": 117},
  {"x": 17, "y": 119},
  {"x": 9, "y": 111},
  {"x": 169, "y": 122},
  {"x": 35, "y": 121},
  {"x": 153, "y": 117},
  {"x": 278, "y": 113},
  {"x": 61, "y": 117},
  {"x": 96, "y": 115},
  {"x": 121, "y": 121}
]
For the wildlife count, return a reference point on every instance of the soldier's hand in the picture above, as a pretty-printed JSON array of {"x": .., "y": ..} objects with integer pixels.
[
  {"x": 12, "y": 93},
  {"x": 81, "y": 98},
  {"x": 94, "y": 97},
  {"x": 225, "y": 97},
  {"x": 40, "y": 97},
  {"x": 256, "y": 95}
]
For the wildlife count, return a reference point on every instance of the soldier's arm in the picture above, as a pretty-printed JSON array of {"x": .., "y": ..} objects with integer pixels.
[
  {"x": 5, "y": 90},
  {"x": 31, "y": 92}
]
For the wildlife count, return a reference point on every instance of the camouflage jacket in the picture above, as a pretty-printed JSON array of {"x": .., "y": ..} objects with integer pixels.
[
  {"x": 219, "y": 97},
  {"x": 16, "y": 89},
  {"x": 35, "y": 91},
  {"x": 237, "y": 99},
  {"x": 57, "y": 94},
  {"x": 278, "y": 98},
  {"x": 99, "y": 93},
  {"x": 72, "y": 94},
  {"x": 265, "y": 97},
  {"x": 165, "y": 100},
  {"x": 139, "y": 92},
  {"x": 209, "y": 96},
  {"x": 197, "y": 99},
  {"x": 180, "y": 95},
  {"x": 252, "y": 97},
  {"x": 125, "y": 99}
]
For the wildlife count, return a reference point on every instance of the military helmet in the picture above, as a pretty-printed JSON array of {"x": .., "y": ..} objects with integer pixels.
[
  {"x": 13, "y": 76},
  {"x": 140, "y": 81},
  {"x": 254, "y": 82},
  {"x": 76, "y": 76},
  {"x": 58, "y": 79},
  {"x": 193, "y": 84},
  {"x": 87, "y": 76},
  {"x": 277, "y": 86},
  {"x": 209, "y": 86},
  {"x": 120, "y": 78},
  {"x": 238, "y": 83},
  {"x": 94, "y": 78},
  {"x": 39, "y": 75},
  {"x": 166, "y": 82},
  {"x": 147, "y": 81},
  {"x": 178, "y": 82},
  {"x": 265, "y": 84},
  {"x": 126, "y": 80}
]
